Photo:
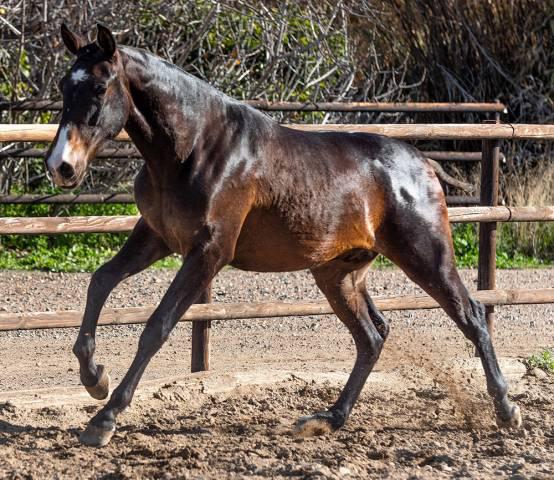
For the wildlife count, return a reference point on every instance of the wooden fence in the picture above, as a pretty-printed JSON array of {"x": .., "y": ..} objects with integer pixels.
[
  {"x": 234, "y": 311},
  {"x": 125, "y": 223},
  {"x": 346, "y": 107},
  {"x": 488, "y": 214},
  {"x": 412, "y": 131},
  {"x": 393, "y": 107}
]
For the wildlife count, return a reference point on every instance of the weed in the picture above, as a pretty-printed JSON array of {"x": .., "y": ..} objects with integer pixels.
[{"x": 543, "y": 360}]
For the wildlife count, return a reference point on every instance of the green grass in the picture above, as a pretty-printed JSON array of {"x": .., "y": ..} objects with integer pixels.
[
  {"x": 466, "y": 240},
  {"x": 67, "y": 252},
  {"x": 508, "y": 255},
  {"x": 543, "y": 360},
  {"x": 86, "y": 252}
]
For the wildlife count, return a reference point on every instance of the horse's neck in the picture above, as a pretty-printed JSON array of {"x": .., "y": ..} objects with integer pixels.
[{"x": 169, "y": 107}]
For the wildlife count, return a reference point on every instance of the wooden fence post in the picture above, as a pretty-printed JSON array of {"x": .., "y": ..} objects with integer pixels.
[
  {"x": 487, "y": 231},
  {"x": 200, "y": 349}
]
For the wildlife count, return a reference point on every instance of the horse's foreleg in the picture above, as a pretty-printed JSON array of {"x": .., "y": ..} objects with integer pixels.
[
  {"x": 198, "y": 270},
  {"x": 142, "y": 248}
]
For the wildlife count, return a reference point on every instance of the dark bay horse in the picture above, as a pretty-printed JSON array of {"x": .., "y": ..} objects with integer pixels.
[{"x": 224, "y": 184}]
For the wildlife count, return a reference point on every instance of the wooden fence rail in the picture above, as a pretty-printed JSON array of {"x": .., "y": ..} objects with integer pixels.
[
  {"x": 95, "y": 198},
  {"x": 57, "y": 225},
  {"x": 125, "y": 223},
  {"x": 129, "y": 152},
  {"x": 405, "y": 107},
  {"x": 414, "y": 131},
  {"x": 124, "y": 152},
  {"x": 66, "y": 198},
  {"x": 233, "y": 311}
]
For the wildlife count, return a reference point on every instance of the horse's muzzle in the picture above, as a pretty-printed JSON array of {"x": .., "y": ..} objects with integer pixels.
[
  {"x": 66, "y": 171},
  {"x": 66, "y": 176}
]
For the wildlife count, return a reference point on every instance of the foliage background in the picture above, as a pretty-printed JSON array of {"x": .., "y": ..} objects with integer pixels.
[{"x": 374, "y": 50}]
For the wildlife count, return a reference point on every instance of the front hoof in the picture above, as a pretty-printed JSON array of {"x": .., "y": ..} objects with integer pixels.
[
  {"x": 513, "y": 421},
  {"x": 317, "y": 424},
  {"x": 94, "y": 436},
  {"x": 102, "y": 388}
]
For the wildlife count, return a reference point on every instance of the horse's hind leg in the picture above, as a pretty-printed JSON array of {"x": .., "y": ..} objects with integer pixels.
[
  {"x": 343, "y": 283},
  {"x": 426, "y": 255}
]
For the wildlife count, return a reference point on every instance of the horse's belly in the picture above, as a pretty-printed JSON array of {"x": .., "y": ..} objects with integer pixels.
[{"x": 265, "y": 244}]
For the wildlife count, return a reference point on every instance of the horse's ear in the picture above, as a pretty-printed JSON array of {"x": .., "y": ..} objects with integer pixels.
[
  {"x": 72, "y": 40},
  {"x": 105, "y": 40}
]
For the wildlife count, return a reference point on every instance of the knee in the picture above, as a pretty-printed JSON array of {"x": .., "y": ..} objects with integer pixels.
[
  {"x": 104, "y": 279},
  {"x": 379, "y": 321},
  {"x": 370, "y": 346},
  {"x": 476, "y": 315},
  {"x": 475, "y": 326},
  {"x": 120, "y": 399},
  {"x": 84, "y": 346},
  {"x": 477, "y": 310},
  {"x": 382, "y": 326},
  {"x": 153, "y": 336}
]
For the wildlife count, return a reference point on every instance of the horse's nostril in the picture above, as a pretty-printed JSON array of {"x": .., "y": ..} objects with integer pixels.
[{"x": 66, "y": 170}]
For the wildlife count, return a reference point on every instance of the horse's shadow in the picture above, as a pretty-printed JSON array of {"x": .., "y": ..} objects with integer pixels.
[
  {"x": 9, "y": 432},
  {"x": 189, "y": 431},
  {"x": 11, "y": 428}
]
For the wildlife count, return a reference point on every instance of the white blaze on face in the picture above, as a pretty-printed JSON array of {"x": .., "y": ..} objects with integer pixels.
[
  {"x": 59, "y": 151},
  {"x": 65, "y": 150}
]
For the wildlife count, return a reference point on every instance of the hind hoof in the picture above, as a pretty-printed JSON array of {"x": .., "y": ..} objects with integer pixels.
[
  {"x": 94, "y": 436},
  {"x": 514, "y": 421},
  {"x": 318, "y": 424},
  {"x": 102, "y": 388}
]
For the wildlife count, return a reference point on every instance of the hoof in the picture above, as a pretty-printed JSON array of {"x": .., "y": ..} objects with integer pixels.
[
  {"x": 514, "y": 421},
  {"x": 317, "y": 424},
  {"x": 102, "y": 388},
  {"x": 94, "y": 436}
]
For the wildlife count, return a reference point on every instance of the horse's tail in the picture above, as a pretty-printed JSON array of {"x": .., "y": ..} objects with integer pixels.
[{"x": 466, "y": 187}]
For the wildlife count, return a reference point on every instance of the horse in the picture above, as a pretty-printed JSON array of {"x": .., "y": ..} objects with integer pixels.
[{"x": 224, "y": 184}]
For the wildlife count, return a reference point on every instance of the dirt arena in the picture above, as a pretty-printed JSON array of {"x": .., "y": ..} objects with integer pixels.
[{"x": 423, "y": 414}]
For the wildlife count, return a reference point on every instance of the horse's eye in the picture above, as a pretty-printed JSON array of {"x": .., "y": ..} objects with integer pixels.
[{"x": 99, "y": 89}]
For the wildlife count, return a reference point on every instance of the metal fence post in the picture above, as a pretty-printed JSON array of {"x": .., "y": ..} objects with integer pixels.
[
  {"x": 487, "y": 230},
  {"x": 200, "y": 350}
]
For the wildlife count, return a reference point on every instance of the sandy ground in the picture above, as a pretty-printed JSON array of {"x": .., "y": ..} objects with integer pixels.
[{"x": 424, "y": 413}]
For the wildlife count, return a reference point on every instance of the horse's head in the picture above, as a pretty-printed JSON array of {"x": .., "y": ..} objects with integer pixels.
[{"x": 96, "y": 104}]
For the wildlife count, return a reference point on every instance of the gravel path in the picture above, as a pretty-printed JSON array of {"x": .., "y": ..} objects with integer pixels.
[{"x": 420, "y": 422}]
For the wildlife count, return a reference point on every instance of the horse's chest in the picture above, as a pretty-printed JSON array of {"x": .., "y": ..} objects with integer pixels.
[
  {"x": 169, "y": 216},
  {"x": 171, "y": 225}
]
